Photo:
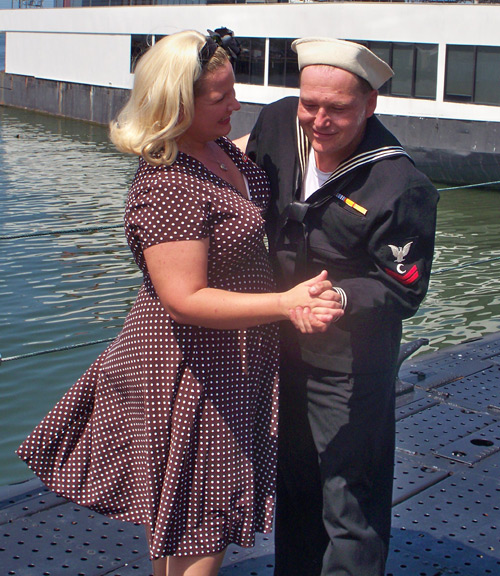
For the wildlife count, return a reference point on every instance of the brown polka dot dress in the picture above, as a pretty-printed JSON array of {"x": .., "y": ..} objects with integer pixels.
[{"x": 174, "y": 426}]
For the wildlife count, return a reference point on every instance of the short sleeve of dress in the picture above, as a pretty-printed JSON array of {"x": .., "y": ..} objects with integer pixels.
[{"x": 164, "y": 205}]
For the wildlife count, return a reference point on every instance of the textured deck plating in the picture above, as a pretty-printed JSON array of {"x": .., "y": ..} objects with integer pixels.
[{"x": 446, "y": 500}]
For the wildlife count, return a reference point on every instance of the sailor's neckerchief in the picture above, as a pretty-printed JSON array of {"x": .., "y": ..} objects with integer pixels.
[{"x": 368, "y": 152}]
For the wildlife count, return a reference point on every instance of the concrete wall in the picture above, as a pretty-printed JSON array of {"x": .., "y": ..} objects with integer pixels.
[{"x": 80, "y": 101}]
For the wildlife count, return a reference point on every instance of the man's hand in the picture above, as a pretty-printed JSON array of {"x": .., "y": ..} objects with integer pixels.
[{"x": 317, "y": 319}]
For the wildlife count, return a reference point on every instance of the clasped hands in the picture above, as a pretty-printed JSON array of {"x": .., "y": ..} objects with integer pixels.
[{"x": 314, "y": 305}]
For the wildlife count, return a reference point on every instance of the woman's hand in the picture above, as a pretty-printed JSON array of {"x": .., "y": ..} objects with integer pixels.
[
  {"x": 178, "y": 271},
  {"x": 323, "y": 308}
]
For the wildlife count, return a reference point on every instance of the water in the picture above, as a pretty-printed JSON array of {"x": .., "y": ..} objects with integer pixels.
[{"x": 57, "y": 291}]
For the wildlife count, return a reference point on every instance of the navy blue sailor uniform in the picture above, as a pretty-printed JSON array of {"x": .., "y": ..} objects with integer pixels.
[{"x": 372, "y": 226}]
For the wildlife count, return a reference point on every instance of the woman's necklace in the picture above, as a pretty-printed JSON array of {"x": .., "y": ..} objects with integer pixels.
[{"x": 215, "y": 151}]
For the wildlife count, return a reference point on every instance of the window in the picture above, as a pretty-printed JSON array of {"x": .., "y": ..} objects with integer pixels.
[
  {"x": 472, "y": 74},
  {"x": 459, "y": 84},
  {"x": 487, "y": 75},
  {"x": 414, "y": 65},
  {"x": 249, "y": 67},
  {"x": 383, "y": 51},
  {"x": 283, "y": 65},
  {"x": 139, "y": 43},
  {"x": 426, "y": 56},
  {"x": 403, "y": 65}
]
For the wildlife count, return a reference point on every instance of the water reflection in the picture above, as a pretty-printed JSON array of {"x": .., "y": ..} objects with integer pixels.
[
  {"x": 464, "y": 299},
  {"x": 56, "y": 290},
  {"x": 65, "y": 289}
]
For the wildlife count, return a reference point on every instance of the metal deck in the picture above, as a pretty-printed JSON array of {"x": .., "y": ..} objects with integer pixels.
[{"x": 446, "y": 500}]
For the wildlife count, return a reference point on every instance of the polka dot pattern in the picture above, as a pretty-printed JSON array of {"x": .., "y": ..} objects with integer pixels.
[{"x": 174, "y": 426}]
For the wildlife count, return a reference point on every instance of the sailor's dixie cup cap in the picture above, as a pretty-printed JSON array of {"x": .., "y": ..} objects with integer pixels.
[{"x": 349, "y": 56}]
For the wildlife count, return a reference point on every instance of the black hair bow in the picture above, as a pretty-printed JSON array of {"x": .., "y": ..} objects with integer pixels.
[{"x": 224, "y": 38}]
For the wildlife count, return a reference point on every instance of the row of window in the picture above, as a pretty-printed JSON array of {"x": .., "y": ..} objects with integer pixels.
[
  {"x": 94, "y": 3},
  {"x": 472, "y": 72}
]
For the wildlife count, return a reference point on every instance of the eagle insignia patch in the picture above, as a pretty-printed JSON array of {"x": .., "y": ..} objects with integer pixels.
[
  {"x": 402, "y": 274},
  {"x": 400, "y": 253}
]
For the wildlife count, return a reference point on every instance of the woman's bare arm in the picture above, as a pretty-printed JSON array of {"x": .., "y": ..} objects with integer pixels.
[{"x": 178, "y": 271}]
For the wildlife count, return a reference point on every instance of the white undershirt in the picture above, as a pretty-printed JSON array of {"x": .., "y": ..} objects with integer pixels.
[{"x": 314, "y": 178}]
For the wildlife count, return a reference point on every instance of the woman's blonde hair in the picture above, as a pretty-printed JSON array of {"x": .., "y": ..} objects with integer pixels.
[{"x": 161, "y": 106}]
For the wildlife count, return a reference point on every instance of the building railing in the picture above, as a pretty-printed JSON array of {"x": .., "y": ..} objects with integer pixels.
[{"x": 107, "y": 3}]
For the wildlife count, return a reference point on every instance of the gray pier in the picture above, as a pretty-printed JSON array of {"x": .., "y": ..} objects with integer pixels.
[{"x": 446, "y": 500}]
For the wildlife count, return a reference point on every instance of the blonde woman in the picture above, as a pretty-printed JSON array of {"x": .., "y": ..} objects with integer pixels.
[{"x": 174, "y": 425}]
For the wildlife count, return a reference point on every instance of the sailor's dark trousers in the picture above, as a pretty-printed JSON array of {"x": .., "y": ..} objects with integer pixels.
[{"x": 335, "y": 472}]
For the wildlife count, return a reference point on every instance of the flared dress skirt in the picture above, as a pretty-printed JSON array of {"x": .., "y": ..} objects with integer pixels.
[{"x": 175, "y": 426}]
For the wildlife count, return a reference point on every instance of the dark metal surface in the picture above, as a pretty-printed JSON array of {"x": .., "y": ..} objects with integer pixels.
[{"x": 446, "y": 500}]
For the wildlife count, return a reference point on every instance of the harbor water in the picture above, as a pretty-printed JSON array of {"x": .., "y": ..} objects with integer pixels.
[{"x": 67, "y": 277}]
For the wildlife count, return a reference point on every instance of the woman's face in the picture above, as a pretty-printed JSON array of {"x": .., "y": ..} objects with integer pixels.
[{"x": 214, "y": 105}]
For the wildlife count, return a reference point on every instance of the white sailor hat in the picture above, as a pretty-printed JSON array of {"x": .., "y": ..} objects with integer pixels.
[{"x": 343, "y": 54}]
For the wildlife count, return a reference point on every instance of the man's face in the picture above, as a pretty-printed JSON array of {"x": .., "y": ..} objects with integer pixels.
[{"x": 333, "y": 110}]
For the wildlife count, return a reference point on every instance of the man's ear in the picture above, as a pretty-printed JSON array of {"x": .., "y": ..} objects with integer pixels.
[{"x": 371, "y": 103}]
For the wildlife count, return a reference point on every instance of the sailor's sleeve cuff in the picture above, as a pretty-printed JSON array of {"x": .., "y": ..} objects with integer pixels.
[{"x": 343, "y": 296}]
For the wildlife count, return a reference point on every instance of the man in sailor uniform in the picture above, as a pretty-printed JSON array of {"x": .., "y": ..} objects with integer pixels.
[{"x": 346, "y": 198}]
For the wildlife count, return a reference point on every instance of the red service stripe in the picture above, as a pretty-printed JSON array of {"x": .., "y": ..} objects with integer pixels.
[{"x": 409, "y": 278}]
